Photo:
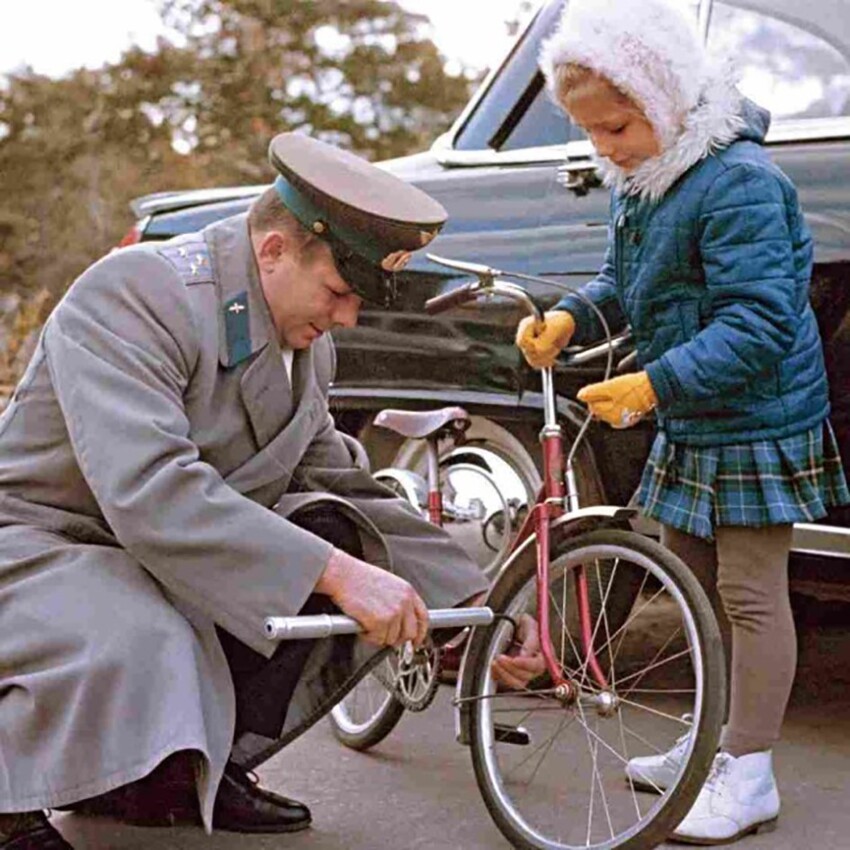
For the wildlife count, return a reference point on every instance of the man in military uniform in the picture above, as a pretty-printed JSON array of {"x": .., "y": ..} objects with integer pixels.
[{"x": 169, "y": 476}]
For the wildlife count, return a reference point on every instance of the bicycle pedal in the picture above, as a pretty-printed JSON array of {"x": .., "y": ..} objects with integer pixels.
[{"x": 506, "y": 734}]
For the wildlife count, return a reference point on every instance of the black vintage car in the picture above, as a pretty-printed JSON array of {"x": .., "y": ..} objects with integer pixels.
[{"x": 523, "y": 195}]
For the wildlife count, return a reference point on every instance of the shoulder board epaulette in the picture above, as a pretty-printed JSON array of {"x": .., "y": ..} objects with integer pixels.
[{"x": 190, "y": 258}]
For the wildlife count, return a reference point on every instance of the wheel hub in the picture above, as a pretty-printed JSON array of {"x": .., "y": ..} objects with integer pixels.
[{"x": 607, "y": 704}]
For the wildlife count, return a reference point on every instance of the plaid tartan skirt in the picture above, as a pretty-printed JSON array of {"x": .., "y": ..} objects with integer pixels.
[{"x": 767, "y": 482}]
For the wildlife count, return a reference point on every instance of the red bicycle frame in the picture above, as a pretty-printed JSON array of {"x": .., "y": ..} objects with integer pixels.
[{"x": 558, "y": 493}]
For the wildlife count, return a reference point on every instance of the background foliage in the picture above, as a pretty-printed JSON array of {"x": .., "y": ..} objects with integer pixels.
[{"x": 74, "y": 151}]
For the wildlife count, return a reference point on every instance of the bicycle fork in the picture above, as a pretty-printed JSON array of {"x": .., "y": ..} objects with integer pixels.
[{"x": 560, "y": 489}]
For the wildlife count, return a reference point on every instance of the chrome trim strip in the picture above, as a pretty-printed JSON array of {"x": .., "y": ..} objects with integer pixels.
[
  {"x": 782, "y": 132},
  {"x": 525, "y": 156},
  {"x": 165, "y": 201},
  {"x": 704, "y": 17},
  {"x": 809, "y": 129},
  {"x": 578, "y": 150},
  {"x": 528, "y": 401},
  {"x": 831, "y": 541}
]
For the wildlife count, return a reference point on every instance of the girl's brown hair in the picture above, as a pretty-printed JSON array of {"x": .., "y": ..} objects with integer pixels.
[{"x": 572, "y": 78}]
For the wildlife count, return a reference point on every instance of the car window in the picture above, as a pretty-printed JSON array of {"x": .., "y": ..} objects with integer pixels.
[
  {"x": 496, "y": 113},
  {"x": 792, "y": 72},
  {"x": 543, "y": 123},
  {"x": 166, "y": 225}
]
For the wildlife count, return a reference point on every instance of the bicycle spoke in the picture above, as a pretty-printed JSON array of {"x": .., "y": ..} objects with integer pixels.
[
  {"x": 621, "y": 630},
  {"x": 594, "y": 752},
  {"x": 655, "y": 749},
  {"x": 543, "y": 755},
  {"x": 634, "y": 614},
  {"x": 569, "y": 776},
  {"x": 653, "y": 711},
  {"x": 647, "y": 743},
  {"x": 566, "y": 722},
  {"x": 604, "y": 614},
  {"x": 604, "y": 743},
  {"x": 621, "y": 726},
  {"x": 662, "y": 691},
  {"x": 654, "y": 665},
  {"x": 624, "y": 632},
  {"x": 528, "y": 712},
  {"x": 565, "y": 631}
]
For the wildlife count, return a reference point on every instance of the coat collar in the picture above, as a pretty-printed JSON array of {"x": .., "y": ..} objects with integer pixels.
[
  {"x": 245, "y": 323},
  {"x": 246, "y": 329},
  {"x": 714, "y": 123}
]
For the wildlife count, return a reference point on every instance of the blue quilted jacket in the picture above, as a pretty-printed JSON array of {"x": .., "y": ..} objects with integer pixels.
[{"x": 714, "y": 280}]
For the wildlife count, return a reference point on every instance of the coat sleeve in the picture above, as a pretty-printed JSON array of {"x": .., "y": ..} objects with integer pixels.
[
  {"x": 602, "y": 293},
  {"x": 121, "y": 349},
  {"x": 748, "y": 260},
  {"x": 407, "y": 543}
]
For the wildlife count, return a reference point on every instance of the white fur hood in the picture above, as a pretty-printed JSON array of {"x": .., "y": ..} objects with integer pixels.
[
  {"x": 721, "y": 117},
  {"x": 651, "y": 50}
]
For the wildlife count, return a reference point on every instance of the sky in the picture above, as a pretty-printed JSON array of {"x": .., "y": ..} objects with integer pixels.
[{"x": 55, "y": 36}]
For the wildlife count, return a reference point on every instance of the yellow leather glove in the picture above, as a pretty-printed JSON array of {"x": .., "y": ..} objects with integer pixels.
[
  {"x": 541, "y": 343},
  {"x": 622, "y": 401}
]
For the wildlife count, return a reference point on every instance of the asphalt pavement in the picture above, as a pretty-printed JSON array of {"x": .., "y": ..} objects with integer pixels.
[{"x": 417, "y": 789}]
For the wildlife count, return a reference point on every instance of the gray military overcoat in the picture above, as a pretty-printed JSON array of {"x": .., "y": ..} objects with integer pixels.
[{"x": 148, "y": 461}]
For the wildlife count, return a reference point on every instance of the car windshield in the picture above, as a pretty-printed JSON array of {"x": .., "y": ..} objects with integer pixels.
[
  {"x": 787, "y": 64},
  {"x": 793, "y": 58},
  {"x": 824, "y": 19}
]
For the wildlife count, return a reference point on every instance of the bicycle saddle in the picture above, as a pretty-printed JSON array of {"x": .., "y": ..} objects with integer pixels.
[{"x": 426, "y": 423}]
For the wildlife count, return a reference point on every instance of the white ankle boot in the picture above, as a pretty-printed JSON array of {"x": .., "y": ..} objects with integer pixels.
[
  {"x": 739, "y": 797},
  {"x": 656, "y": 773}
]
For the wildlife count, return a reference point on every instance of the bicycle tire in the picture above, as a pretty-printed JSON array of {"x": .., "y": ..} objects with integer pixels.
[
  {"x": 546, "y": 818},
  {"x": 379, "y": 720}
]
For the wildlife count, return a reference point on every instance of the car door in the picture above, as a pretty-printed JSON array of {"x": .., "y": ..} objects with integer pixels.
[{"x": 794, "y": 59}]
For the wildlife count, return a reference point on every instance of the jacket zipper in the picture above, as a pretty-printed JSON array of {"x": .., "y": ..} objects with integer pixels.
[{"x": 619, "y": 230}]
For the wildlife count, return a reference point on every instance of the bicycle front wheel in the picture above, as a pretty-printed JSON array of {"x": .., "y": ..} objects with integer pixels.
[{"x": 552, "y": 768}]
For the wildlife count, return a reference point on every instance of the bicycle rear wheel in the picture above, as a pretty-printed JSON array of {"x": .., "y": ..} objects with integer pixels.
[
  {"x": 369, "y": 711},
  {"x": 559, "y": 780}
]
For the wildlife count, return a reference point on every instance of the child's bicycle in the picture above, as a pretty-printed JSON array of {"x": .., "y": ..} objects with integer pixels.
[{"x": 633, "y": 659}]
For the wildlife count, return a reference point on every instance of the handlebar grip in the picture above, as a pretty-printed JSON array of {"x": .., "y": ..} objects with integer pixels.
[
  {"x": 313, "y": 626},
  {"x": 439, "y": 303}
]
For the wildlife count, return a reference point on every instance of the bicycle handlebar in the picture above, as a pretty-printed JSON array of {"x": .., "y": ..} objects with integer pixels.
[
  {"x": 488, "y": 284},
  {"x": 440, "y": 303},
  {"x": 313, "y": 626}
]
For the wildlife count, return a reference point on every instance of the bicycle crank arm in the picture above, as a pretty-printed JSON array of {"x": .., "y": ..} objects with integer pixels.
[{"x": 313, "y": 626}]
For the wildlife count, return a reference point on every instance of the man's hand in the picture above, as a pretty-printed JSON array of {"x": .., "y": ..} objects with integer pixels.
[
  {"x": 390, "y": 611},
  {"x": 541, "y": 343},
  {"x": 524, "y": 661}
]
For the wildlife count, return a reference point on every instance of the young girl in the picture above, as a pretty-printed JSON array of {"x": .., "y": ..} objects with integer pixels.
[{"x": 709, "y": 261}]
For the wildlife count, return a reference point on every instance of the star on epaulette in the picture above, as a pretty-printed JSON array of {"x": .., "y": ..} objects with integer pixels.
[{"x": 190, "y": 261}]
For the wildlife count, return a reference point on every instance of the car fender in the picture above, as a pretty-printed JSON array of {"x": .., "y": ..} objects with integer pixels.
[{"x": 412, "y": 485}]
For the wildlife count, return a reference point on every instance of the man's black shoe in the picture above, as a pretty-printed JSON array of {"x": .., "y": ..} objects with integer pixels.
[
  {"x": 242, "y": 806},
  {"x": 167, "y": 797},
  {"x": 30, "y": 831}
]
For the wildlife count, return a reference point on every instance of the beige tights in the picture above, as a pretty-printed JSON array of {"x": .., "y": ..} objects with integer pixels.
[{"x": 745, "y": 573}]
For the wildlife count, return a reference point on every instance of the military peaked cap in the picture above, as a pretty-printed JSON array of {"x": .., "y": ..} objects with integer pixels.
[{"x": 364, "y": 213}]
